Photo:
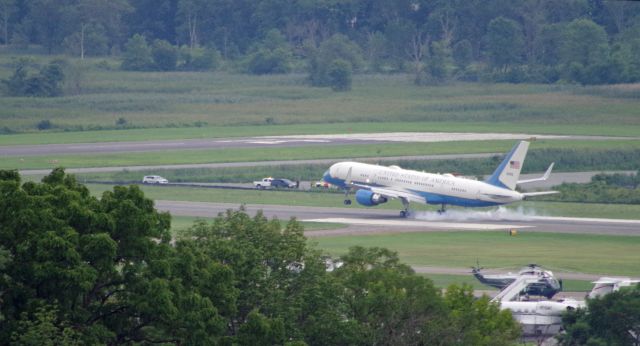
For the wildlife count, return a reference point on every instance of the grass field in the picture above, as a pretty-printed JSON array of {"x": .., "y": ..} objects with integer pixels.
[
  {"x": 210, "y": 104},
  {"x": 322, "y": 199},
  {"x": 296, "y": 153},
  {"x": 595, "y": 254}
]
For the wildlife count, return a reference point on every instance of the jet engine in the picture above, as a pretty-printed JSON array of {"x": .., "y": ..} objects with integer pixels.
[{"x": 369, "y": 199}]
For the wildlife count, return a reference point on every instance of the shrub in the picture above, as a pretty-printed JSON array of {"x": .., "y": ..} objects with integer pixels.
[
  {"x": 137, "y": 54},
  {"x": 165, "y": 56},
  {"x": 340, "y": 75},
  {"x": 44, "y": 125}
]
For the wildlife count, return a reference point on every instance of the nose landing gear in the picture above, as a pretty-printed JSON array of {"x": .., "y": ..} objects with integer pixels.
[{"x": 347, "y": 201}]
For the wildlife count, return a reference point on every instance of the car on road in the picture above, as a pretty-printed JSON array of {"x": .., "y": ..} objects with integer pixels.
[
  {"x": 283, "y": 183},
  {"x": 154, "y": 179}
]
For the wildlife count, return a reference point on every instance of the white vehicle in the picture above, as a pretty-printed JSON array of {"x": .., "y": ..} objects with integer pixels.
[
  {"x": 377, "y": 184},
  {"x": 263, "y": 184},
  {"x": 154, "y": 179}
]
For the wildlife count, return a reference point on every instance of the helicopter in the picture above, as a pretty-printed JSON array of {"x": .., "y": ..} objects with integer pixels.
[{"x": 547, "y": 285}]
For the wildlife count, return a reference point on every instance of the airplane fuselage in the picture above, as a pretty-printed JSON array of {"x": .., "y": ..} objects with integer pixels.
[{"x": 432, "y": 188}]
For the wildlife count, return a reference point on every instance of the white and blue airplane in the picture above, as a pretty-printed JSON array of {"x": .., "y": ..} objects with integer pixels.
[{"x": 376, "y": 184}]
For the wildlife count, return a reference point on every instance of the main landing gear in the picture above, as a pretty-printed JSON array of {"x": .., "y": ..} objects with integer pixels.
[
  {"x": 405, "y": 213},
  {"x": 442, "y": 210}
]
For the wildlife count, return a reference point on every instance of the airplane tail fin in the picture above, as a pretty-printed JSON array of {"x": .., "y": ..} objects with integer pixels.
[{"x": 507, "y": 174}]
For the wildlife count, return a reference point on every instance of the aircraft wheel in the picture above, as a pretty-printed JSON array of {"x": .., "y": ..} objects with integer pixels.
[
  {"x": 347, "y": 202},
  {"x": 404, "y": 213}
]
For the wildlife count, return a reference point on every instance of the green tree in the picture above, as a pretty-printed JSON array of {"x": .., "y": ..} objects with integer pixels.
[
  {"x": 98, "y": 25},
  {"x": 52, "y": 21},
  {"x": 438, "y": 62},
  {"x": 504, "y": 43},
  {"x": 8, "y": 9},
  {"x": 261, "y": 331},
  {"x": 199, "y": 59},
  {"x": 165, "y": 56},
  {"x": 613, "y": 319},
  {"x": 44, "y": 328},
  {"x": 137, "y": 55},
  {"x": 462, "y": 53},
  {"x": 479, "y": 321},
  {"x": 272, "y": 55},
  {"x": 583, "y": 46},
  {"x": 105, "y": 264},
  {"x": 190, "y": 16},
  {"x": 46, "y": 83},
  {"x": 340, "y": 75},
  {"x": 337, "y": 47}
]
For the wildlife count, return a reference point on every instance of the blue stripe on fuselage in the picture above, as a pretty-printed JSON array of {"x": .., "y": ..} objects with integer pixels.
[
  {"x": 431, "y": 198},
  {"x": 435, "y": 198}
]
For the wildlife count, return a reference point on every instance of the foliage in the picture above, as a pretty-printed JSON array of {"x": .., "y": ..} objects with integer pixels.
[
  {"x": 165, "y": 56},
  {"x": 480, "y": 316},
  {"x": 504, "y": 42},
  {"x": 199, "y": 59},
  {"x": 613, "y": 319},
  {"x": 272, "y": 55},
  {"x": 340, "y": 75},
  {"x": 591, "y": 42},
  {"x": 321, "y": 60},
  {"x": 137, "y": 54},
  {"x": 603, "y": 188},
  {"x": 46, "y": 83},
  {"x": 78, "y": 270}
]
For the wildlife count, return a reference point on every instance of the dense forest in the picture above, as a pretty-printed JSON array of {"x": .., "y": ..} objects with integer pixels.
[{"x": 543, "y": 41}]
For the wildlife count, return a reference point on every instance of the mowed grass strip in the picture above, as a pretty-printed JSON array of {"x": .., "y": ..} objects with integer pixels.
[
  {"x": 296, "y": 153},
  {"x": 179, "y": 223},
  {"x": 594, "y": 254},
  {"x": 212, "y": 132}
]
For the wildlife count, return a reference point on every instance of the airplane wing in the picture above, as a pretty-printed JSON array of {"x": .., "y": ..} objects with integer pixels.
[
  {"x": 541, "y": 193},
  {"x": 391, "y": 193},
  {"x": 543, "y": 178}
]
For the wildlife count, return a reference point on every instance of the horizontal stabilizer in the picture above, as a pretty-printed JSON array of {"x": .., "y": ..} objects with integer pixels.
[
  {"x": 543, "y": 178},
  {"x": 541, "y": 193}
]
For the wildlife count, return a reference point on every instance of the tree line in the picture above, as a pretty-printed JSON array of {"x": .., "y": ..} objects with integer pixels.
[
  {"x": 78, "y": 270},
  {"x": 543, "y": 41},
  {"x": 603, "y": 188}
]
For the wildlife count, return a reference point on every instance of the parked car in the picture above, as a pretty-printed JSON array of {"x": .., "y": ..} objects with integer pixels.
[
  {"x": 283, "y": 183},
  {"x": 154, "y": 179}
]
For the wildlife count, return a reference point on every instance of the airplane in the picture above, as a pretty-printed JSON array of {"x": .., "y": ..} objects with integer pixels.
[{"x": 376, "y": 184}]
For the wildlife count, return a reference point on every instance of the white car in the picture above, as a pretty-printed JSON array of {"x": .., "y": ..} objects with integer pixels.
[{"x": 154, "y": 179}]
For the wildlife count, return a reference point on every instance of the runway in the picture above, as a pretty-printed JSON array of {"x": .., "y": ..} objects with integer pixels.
[
  {"x": 367, "y": 221},
  {"x": 271, "y": 142}
]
